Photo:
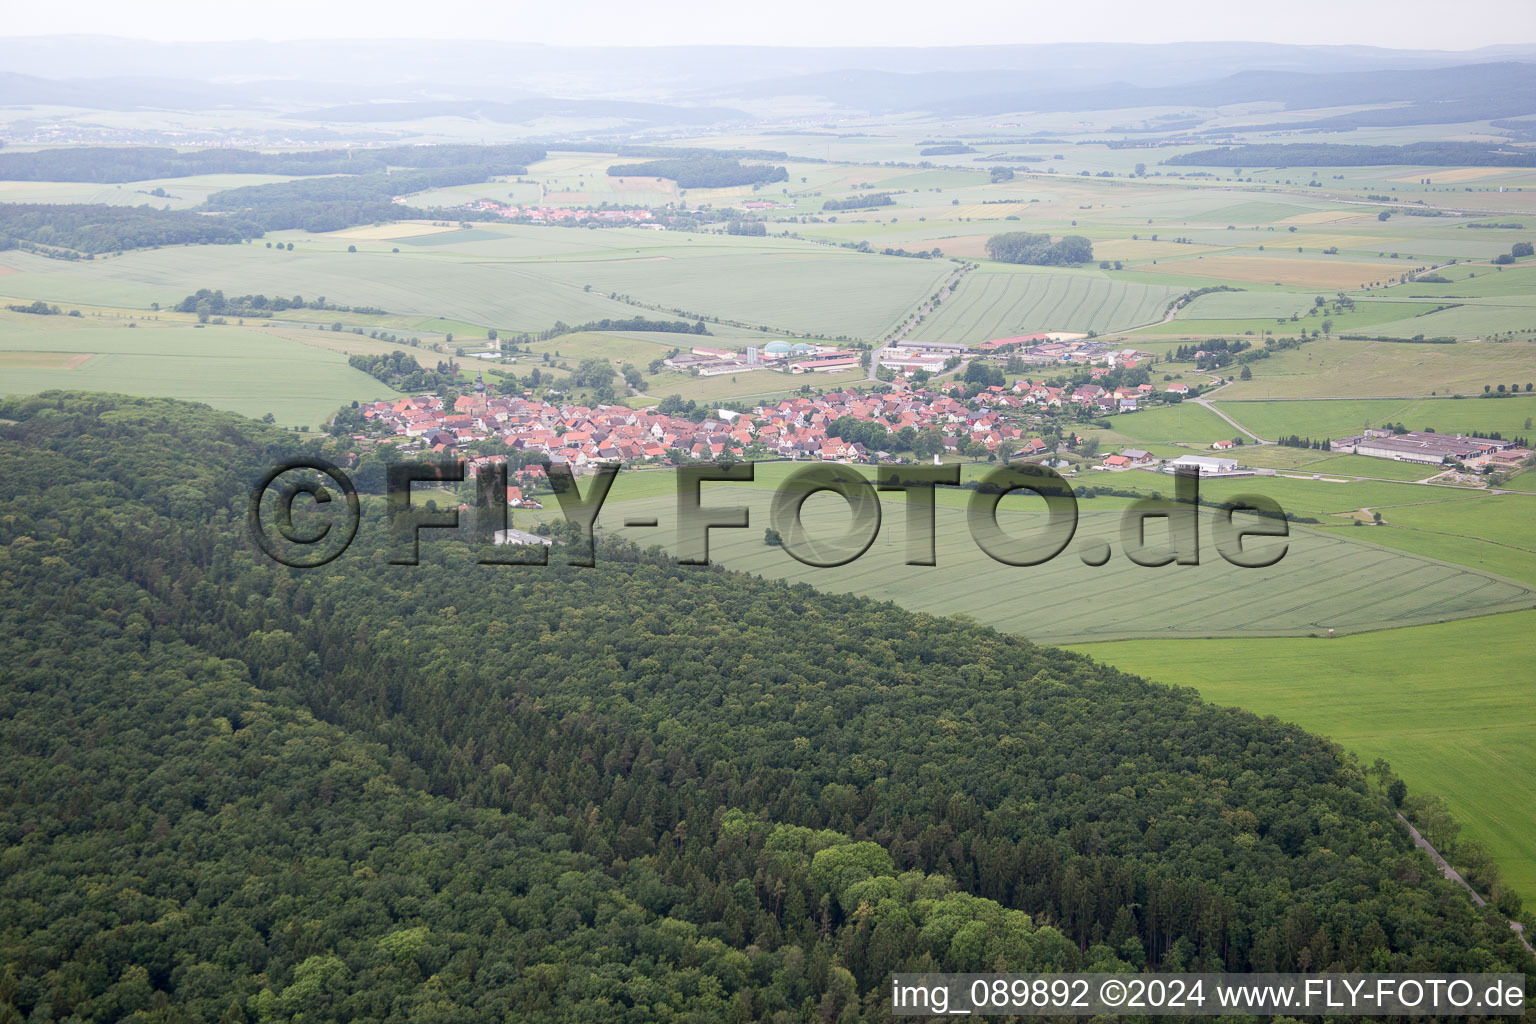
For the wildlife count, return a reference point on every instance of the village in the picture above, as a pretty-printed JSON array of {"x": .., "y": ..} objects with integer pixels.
[
  {"x": 536, "y": 214},
  {"x": 907, "y": 411},
  {"x": 934, "y": 420}
]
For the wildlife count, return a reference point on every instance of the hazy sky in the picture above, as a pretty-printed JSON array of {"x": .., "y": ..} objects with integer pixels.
[{"x": 1418, "y": 24}]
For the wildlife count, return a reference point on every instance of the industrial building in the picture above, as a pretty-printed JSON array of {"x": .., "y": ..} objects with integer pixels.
[{"x": 1423, "y": 446}]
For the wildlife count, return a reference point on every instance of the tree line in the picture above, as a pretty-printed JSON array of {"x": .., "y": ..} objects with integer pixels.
[
  {"x": 1329, "y": 154},
  {"x": 68, "y": 229},
  {"x": 213, "y": 301},
  {"x": 402, "y": 372},
  {"x": 139, "y": 163}
]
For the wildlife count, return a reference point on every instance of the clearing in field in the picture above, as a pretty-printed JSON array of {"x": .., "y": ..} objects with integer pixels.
[
  {"x": 1450, "y": 706},
  {"x": 1299, "y": 273}
]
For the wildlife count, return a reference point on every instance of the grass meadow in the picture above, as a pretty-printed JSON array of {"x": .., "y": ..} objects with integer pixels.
[
  {"x": 1370, "y": 369},
  {"x": 1326, "y": 579},
  {"x": 1185, "y": 423},
  {"x": 244, "y": 370},
  {"x": 998, "y": 303},
  {"x": 1449, "y": 705},
  {"x": 1343, "y": 417},
  {"x": 519, "y": 278}
]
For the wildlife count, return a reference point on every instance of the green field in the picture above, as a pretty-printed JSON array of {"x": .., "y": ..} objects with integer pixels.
[
  {"x": 1184, "y": 423},
  {"x": 1329, "y": 464},
  {"x": 998, "y": 302},
  {"x": 1490, "y": 532},
  {"x": 800, "y": 288},
  {"x": 410, "y": 283},
  {"x": 519, "y": 278},
  {"x": 1334, "y": 419},
  {"x": 1472, "y": 320},
  {"x": 1327, "y": 579},
  {"x": 181, "y": 193},
  {"x": 1450, "y": 706},
  {"x": 241, "y": 369},
  {"x": 1366, "y": 369}
]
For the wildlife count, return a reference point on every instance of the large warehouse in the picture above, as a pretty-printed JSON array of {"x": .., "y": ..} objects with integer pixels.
[{"x": 1424, "y": 446}]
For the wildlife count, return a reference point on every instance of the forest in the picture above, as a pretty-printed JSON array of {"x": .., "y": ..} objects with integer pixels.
[
  {"x": 329, "y": 204},
  {"x": 1036, "y": 248},
  {"x": 634, "y": 792},
  {"x": 93, "y": 228},
  {"x": 703, "y": 171},
  {"x": 401, "y": 370},
  {"x": 107, "y": 164},
  {"x": 213, "y": 301},
  {"x": 859, "y": 202}
]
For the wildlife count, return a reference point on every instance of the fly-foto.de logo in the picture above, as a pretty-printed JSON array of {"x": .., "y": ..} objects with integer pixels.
[{"x": 305, "y": 513}]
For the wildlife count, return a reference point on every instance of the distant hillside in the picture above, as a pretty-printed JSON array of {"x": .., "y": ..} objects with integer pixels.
[
  {"x": 524, "y": 111},
  {"x": 118, "y": 74},
  {"x": 485, "y": 68},
  {"x": 1438, "y": 95},
  {"x": 140, "y": 163}
]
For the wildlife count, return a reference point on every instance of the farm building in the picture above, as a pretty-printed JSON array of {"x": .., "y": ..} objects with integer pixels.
[
  {"x": 824, "y": 364},
  {"x": 1206, "y": 465},
  {"x": 520, "y": 537},
  {"x": 948, "y": 348},
  {"x": 1422, "y": 446},
  {"x": 1003, "y": 344},
  {"x": 909, "y": 359},
  {"x": 720, "y": 367}
]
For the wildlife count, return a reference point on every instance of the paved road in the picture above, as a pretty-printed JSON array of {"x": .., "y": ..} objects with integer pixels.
[
  {"x": 1455, "y": 876},
  {"x": 927, "y": 307},
  {"x": 1207, "y": 404}
]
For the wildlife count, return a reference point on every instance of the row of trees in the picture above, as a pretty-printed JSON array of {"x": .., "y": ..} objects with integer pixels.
[
  {"x": 212, "y": 301},
  {"x": 1328, "y": 154}
]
